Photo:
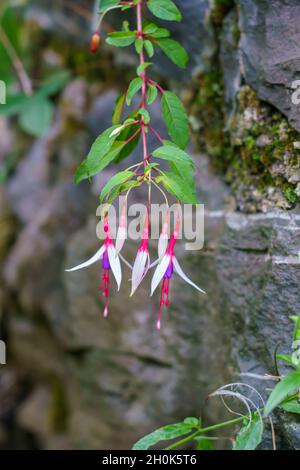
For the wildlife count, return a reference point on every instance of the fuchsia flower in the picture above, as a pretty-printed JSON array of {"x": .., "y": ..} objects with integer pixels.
[
  {"x": 142, "y": 260},
  {"x": 110, "y": 262},
  {"x": 164, "y": 273}
]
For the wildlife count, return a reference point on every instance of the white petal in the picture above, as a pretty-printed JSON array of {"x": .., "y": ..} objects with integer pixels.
[
  {"x": 90, "y": 261},
  {"x": 115, "y": 264},
  {"x": 120, "y": 240},
  {"x": 160, "y": 272},
  {"x": 179, "y": 271},
  {"x": 139, "y": 268},
  {"x": 162, "y": 244}
]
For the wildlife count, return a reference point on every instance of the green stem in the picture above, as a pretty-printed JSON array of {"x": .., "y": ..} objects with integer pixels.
[{"x": 204, "y": 430}]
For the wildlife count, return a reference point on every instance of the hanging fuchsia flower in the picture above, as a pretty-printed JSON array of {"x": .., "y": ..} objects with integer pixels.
[
  {"x": 164, "y": 273},
  {"x": 142, "y": 260},
  {"x": 110, "y": 262}
]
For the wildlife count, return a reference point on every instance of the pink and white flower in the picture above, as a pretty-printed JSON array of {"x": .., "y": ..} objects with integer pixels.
[
  {"x": 142, "y": 261},
  {"x": 110, "y": 262},
  {"x": 164, "y": 273}
]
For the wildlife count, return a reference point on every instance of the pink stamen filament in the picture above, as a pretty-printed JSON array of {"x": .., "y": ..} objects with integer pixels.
[
  {"x": 104, "y": 288},
  {"x": 164, "y": 299}
]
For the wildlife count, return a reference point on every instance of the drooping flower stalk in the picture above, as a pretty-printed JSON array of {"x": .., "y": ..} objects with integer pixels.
[
  {"x": 110, "y": 262},
  {"x": 164, "y": 272},
  {"x": 117, "y": 141}
]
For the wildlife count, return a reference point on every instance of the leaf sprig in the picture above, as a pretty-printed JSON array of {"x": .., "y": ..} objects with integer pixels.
[{"x": 129, "y": 128}]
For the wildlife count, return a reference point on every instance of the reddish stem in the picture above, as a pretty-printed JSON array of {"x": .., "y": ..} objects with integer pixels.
[
  {"x": 156, "y": 134},
  {"x": 157, "y": 85}
]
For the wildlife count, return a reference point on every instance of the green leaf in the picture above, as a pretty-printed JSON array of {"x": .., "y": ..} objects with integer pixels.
[
  {"x": 192, "y": 421},
  {"x": 125, "y": 135},
  {"x": 290, "y": 383},
  {"x": 117, "y": 114},
  {"x": 54, "y": 83},
  {"x": 94, "y": 160},
  {"x": 166, "y": 433},
  {"x": 292, "y": 406},
  {"x": 155, "y": 31},
  {"x": 176, "y": 53},
  {"x": 121, "y": 189},
  {"x": 204, "y": 443},
  {"x": 143, "y": 112},
  {"x": 139, "y": 44},
  {"x": 285, "y": 357},
  {"x": 14, "y": 105},
  {"x": 250, "y": 436},
  {"x": 178, "y": 187},
  {"x": 121, "y": 38},
  {"x": 151, "y": 94},
  {"x": 135, "y": 85},
  {"x": 117, "y": 180},
  {"x": 149, "y": 48},
  {"x": 175, "y": 118},
  {"x": 174, "y": 154},
  {"x": 104, "y": 4},
  {"x": 37, "y": 116},
  {"x": 164, "y": 9}
]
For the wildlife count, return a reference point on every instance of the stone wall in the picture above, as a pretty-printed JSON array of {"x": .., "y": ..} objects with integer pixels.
[{"x": 75, "y": 380}]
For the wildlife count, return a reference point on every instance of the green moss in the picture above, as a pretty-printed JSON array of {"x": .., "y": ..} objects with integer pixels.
[{"x": 258, "y": 153}]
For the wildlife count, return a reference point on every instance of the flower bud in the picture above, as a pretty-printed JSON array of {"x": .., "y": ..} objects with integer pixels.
[{"x": 95, "y": 41}]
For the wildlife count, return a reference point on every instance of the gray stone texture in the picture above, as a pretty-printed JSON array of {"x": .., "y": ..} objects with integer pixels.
[{"x": 74, "y": 380}]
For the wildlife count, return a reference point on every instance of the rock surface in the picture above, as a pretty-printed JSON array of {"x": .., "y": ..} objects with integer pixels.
[{"x": 74, "y": 380}]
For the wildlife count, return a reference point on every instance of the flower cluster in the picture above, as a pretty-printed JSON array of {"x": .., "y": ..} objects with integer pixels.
[
  {"x": 127, "y": 132},
  {"x": 166, "y": 263}
]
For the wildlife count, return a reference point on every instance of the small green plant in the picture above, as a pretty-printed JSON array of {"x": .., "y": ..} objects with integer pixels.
[
  {"x": 284, "y": 396},
  {"x": 31, "y": 105}
]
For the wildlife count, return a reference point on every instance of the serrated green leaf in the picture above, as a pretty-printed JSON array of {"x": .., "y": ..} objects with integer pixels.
[
  {"x": 164, "y": 9},
  {"x": 125, "y": 135},
  {"x": 36, "y": 117},
  {"x": 117, "y": 114},
  {"x": 151, "y": 94},
  {"x": 149, "y": 48},
  {"x": 121, "y": 38},
  {"x": 176, "y": 53},
  {"x": 122, "y": 188},
  {"x": 172, "y": 153},
  {"x": 290, "y": 383},
  {"x": 166, "y": 433},
  {"x": 175, "y": 118},
  {"x": 291, "y": 406},
  {"x": 135, "y": 85},
  {"x": 117, "y": 180},
  {"x": 152, "y": 29},
  {"x": 93, "y": 162},
  {"x": 250, "y": 436},
  {"x": 139, "y": 44},
  {"x": 178, "y": 187}
]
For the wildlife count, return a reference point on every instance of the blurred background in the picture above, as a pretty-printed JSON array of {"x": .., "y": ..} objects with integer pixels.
[{"x": 73, "y": 380}]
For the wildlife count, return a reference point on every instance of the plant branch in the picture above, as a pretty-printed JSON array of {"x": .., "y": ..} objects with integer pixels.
[{"x": 17, "y": 64}]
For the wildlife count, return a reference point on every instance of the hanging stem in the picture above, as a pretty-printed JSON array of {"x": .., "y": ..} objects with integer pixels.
[{"x": 21, "y": 73}]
